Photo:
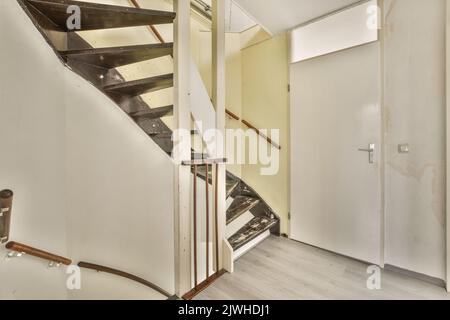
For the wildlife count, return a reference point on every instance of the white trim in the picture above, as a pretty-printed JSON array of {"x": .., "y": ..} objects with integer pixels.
[
  {"x": 383, "y": 148},
  {"x": 182, "y": 120},
  {"x": 218, "y": 97}
]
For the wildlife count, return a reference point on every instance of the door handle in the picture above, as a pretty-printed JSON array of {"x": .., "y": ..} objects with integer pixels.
[{"x": 371, "y": 151}]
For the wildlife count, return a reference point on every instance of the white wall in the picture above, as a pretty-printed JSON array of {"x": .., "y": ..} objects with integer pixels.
[
  {"x": 120, "y": 189},
  {"x": 278, "y": 16},
  {"x": 89, "y": 183},
  {"x": 415, "y": 114},
  {"x": 32, "y": 161}
]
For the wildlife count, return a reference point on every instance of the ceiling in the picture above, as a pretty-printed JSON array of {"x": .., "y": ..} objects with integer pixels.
[
  {"x": 236, "y": 20},
  {"x": 280, "y": 15}
]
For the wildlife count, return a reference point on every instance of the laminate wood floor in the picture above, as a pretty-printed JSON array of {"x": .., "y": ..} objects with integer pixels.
[{"x": 284, "y": 269}]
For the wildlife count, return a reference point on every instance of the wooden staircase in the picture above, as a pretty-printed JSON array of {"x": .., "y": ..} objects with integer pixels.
[{"x": 98, "y": 66}]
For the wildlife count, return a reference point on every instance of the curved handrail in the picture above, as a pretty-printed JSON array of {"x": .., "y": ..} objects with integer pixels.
[
  {"x": 22, "y": 248},
  {"x": 126, "y": 275}
]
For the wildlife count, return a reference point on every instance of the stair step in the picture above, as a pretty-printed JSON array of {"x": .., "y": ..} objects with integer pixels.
[
  {"x": 250, "y": 231},
  {"x": 118, "y": 56},
  {"x": 201, "y": 171},
  {"x": 231, "y": 186},
  {"x": 96, "y": 16},
  {"x": 142, "y": 86},
  {"x": 161, "y": 135},
  {"x": 240, "y": 205},
  {"x": 151, "y": 114}
]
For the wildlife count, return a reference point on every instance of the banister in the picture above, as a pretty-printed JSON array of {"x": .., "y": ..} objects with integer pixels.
[
  {"x": 6, "y": 198},
  {"x": 151, "y": 27},
  {"x": 201, "y": 162},
  {"x": 209, "y": 234},
  {"x": 22, "y": 248},
  {"x": 232, "y": 115},
  {"x": 248, "y": 124},
  {"x": 123, "y": 274}
]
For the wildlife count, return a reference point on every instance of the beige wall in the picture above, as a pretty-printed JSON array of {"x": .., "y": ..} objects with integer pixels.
[
  {"x": 448, "y": 140},
  {"x": 265, "y": 104},
  {"x": 414, "y": 69},
  {"x": 253, "y": 36}
]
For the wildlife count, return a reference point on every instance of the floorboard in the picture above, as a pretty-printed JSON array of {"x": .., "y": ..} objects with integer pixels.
[{"x": 283, "y": 269}]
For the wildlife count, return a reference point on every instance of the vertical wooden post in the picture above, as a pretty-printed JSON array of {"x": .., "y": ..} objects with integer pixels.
[
  {"x": 182, "y": 122},
  {"x": 195, "y": 228},
  {"x": 218, "y": 95},
  {"x": 448, "y": 140},
  {"x": 207, "y": 219},
  {"x": 216, "y": 217}
]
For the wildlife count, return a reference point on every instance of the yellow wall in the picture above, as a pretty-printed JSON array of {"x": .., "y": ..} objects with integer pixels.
[
  {"x": 253, "y": 36},
  {"x": 265, "y": 104}
]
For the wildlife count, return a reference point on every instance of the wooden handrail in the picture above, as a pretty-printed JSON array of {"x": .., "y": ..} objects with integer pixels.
[
  {"x": 232, "y": 115},
  {"x": 123, "y": 274},
  {"x": 203, "y": 286},
  {"x": 6, "y": 198},
  {"x": 22, "y": 248},
  {"x": 248, "y": 124},
  {"x": 214, "y": 217},
  {"x": 151, "y": 27}
]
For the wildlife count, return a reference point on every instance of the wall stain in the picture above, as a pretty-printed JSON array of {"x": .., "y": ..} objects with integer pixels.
[{"x": 437, "y": 187}]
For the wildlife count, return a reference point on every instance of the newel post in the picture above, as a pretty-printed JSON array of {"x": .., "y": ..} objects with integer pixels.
[
  {"x": 182, "y": 152},
  {"x": 218, "y": 97}
]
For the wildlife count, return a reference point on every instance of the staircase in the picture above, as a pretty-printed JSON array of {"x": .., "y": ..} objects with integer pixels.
[{"x": 249, "y": 218}]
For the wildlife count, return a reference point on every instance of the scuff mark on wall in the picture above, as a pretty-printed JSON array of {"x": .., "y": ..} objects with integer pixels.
[{"x": 436, "y": 187}]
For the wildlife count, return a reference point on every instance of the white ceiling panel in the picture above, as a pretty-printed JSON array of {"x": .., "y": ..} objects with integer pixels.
[
  {"x": 236, "y": 20},
  {"x": 280, "y": 15}
]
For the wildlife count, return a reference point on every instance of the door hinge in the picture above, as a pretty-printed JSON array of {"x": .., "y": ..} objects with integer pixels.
[
  {"x": 289, "y": 88},
  {"x": 289, "y": 216}
]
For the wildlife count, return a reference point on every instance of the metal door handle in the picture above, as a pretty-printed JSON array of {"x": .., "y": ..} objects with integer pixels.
[{"x": 371, "y": 151}]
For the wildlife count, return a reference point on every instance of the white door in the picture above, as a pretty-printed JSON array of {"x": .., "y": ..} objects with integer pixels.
[{"x": 335, "y": 188}]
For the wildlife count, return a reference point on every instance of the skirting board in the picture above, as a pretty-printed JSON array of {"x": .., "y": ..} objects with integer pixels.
[{"x": 415, "y": 275}]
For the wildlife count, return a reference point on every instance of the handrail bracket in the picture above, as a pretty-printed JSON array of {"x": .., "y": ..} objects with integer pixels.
[{"x": 3, "y": 211}]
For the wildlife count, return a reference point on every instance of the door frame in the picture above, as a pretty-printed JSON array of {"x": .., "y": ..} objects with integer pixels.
[{"x": 383, "y": 145}]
